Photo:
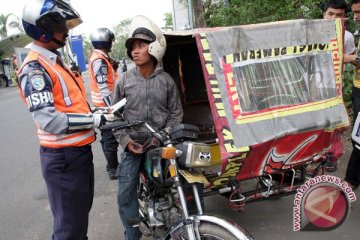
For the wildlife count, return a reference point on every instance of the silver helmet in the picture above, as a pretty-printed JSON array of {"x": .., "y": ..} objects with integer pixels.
[{"x": 102, "y": 38}]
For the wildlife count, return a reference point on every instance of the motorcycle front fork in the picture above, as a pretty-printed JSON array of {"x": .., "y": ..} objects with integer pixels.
[{"x": 192, "y": 228}]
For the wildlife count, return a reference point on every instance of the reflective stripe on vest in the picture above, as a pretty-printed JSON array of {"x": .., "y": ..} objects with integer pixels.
[
  {"x": 62, "y": 81},
  {"x": 67, "y": 99},
  {"x": 64, "y": 140},
  {"x": 96, "y": 96}
]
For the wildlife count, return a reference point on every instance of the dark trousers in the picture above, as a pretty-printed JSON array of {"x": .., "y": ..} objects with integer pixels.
[
  {"x": 109, "y": 146},
  {"x": 127, "y": 195},
  {"x": 69, "y": 177},
  {"x": 356, "y": 103},
  {"x": 353, "y": 168}
]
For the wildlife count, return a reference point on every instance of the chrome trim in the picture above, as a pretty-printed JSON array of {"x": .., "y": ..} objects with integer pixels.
[
  {"x": 188, "y": 154},
  {"x": 197, "y": 199},
  {"x": 233, "y": 228},
  {"x": 293, "y": 178}
]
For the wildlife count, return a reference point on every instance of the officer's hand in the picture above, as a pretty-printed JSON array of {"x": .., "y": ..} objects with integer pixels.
[
  {"x": 100, "y": 110},
  {"x": 110, "y": 117},
  {"x": 135, "y": 148},
  {"x": 100, "y": 119}
]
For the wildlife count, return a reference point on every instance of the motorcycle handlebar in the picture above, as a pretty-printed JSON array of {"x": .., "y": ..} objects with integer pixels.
[
  {"x": 121, "y": 125},
  {"x": 161, "y": 136}
]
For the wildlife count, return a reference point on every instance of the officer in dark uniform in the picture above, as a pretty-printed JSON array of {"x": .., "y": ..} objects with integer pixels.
[{"x": 57, "y": 100}]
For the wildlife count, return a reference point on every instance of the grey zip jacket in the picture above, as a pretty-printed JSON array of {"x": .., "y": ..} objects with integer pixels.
[{"x": 154, "y": 100}]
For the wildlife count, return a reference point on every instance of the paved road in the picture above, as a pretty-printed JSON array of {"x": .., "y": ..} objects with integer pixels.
[{"x": 25, "y": 212}]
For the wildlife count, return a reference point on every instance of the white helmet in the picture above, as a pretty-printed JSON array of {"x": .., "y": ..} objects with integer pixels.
[{"x": 144, "y": 29}]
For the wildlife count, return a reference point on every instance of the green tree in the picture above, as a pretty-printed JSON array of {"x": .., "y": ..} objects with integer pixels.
[
  {"x": 240, "y": 12},
  {"x": 168, "y": 21},
  {"x": 88, "y": 47},
  {"x": 118, "y": 51},
  {"x": 121, "y": 32}
]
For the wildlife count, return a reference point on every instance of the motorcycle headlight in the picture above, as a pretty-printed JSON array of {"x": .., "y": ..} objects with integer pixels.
[{"x": 194, "y": 154}]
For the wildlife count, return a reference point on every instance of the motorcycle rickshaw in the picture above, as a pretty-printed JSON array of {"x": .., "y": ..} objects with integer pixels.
[
  {"x": 263, "y": 112},
  {"x": 268, "y": 100}
]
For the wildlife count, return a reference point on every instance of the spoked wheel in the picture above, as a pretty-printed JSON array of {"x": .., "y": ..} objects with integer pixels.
[{"x": 208, "y": 231}]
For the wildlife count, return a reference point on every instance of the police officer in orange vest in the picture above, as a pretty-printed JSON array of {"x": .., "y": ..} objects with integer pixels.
[
  {"x": 102, "y": 78},
  {"x": 57, "y": 101}
]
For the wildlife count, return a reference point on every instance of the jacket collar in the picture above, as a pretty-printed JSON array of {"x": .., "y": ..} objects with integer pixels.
[
  {"x": 51, "y": 56},
  {"x": 156, "y": 72},
  {"x": 101, "y": 52}
]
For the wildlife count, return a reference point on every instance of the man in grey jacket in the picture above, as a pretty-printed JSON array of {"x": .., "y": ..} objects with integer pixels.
[{"x": 152, "y": 97}]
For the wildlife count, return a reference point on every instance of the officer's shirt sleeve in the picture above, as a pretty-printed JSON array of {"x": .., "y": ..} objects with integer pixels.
[
  {"x": 37, "y": 88},
  {"x": 100, "y": 70}
]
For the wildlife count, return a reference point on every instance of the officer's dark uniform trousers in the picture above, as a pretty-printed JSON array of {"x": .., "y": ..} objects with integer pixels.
[
  {"x": 69, "y": 177},
  {"x": 66, "y": 157}
]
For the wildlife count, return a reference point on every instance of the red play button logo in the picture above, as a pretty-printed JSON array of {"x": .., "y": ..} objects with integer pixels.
[{"x": 325, "y": 206}]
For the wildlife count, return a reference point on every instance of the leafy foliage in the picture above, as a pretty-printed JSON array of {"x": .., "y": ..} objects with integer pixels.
[
  {"x": 347, "y": 89},
  {"x": 121, "y": 32},
  {"x": 168, "y": 21},
  {"x": 118, "y": 51},
  {"x": 88, "y": 48},
  {"x": 240, "y": 12}
]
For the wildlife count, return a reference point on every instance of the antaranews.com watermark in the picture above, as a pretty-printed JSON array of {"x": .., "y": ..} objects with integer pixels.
[{"x": 322, "y": 203}]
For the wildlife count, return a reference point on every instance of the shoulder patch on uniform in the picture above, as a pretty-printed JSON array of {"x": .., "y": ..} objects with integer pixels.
[
  {"x": 104, "y": 70},
  {"x": 38, "y": 82}
]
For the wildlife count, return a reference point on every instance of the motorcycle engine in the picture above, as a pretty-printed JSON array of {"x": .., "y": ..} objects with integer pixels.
[
  {"x": 172, "y": 216},
  {"x": 158, "y": 211}
]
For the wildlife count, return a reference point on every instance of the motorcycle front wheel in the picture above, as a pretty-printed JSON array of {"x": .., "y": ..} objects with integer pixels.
[{"x": 208, "y": 231}]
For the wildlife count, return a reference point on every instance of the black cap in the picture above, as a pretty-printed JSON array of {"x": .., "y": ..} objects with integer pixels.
[{"x": 140, "y": 34}]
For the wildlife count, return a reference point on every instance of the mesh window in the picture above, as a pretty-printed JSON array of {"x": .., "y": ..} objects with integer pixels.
[{"x": 284, "y": 81}]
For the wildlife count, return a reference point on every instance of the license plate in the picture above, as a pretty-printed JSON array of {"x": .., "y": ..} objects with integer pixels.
[{"x": 192, "y": 177}]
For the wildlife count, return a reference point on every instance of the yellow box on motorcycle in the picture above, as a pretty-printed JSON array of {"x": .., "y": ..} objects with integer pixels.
[
  {"x": 194, "y": 154},
  {"x": 215, "y": 154}
]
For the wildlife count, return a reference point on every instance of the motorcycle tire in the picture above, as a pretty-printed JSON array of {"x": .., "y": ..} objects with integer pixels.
[{"x": 208, "y": 231}]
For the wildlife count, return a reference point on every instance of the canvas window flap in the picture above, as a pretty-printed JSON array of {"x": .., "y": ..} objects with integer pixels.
[{"x": 279, "y": 78}]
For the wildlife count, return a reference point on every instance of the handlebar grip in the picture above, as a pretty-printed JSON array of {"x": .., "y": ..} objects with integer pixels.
[{"x": 120, "y": 125}]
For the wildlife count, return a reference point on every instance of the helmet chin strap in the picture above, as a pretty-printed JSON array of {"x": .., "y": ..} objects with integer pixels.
[{"x": 58, "y": 42}]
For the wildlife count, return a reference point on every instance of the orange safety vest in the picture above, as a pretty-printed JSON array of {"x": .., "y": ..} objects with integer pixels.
[
  {"x": 96, "y": 96},
  {"x": 67, "y": 99}
]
